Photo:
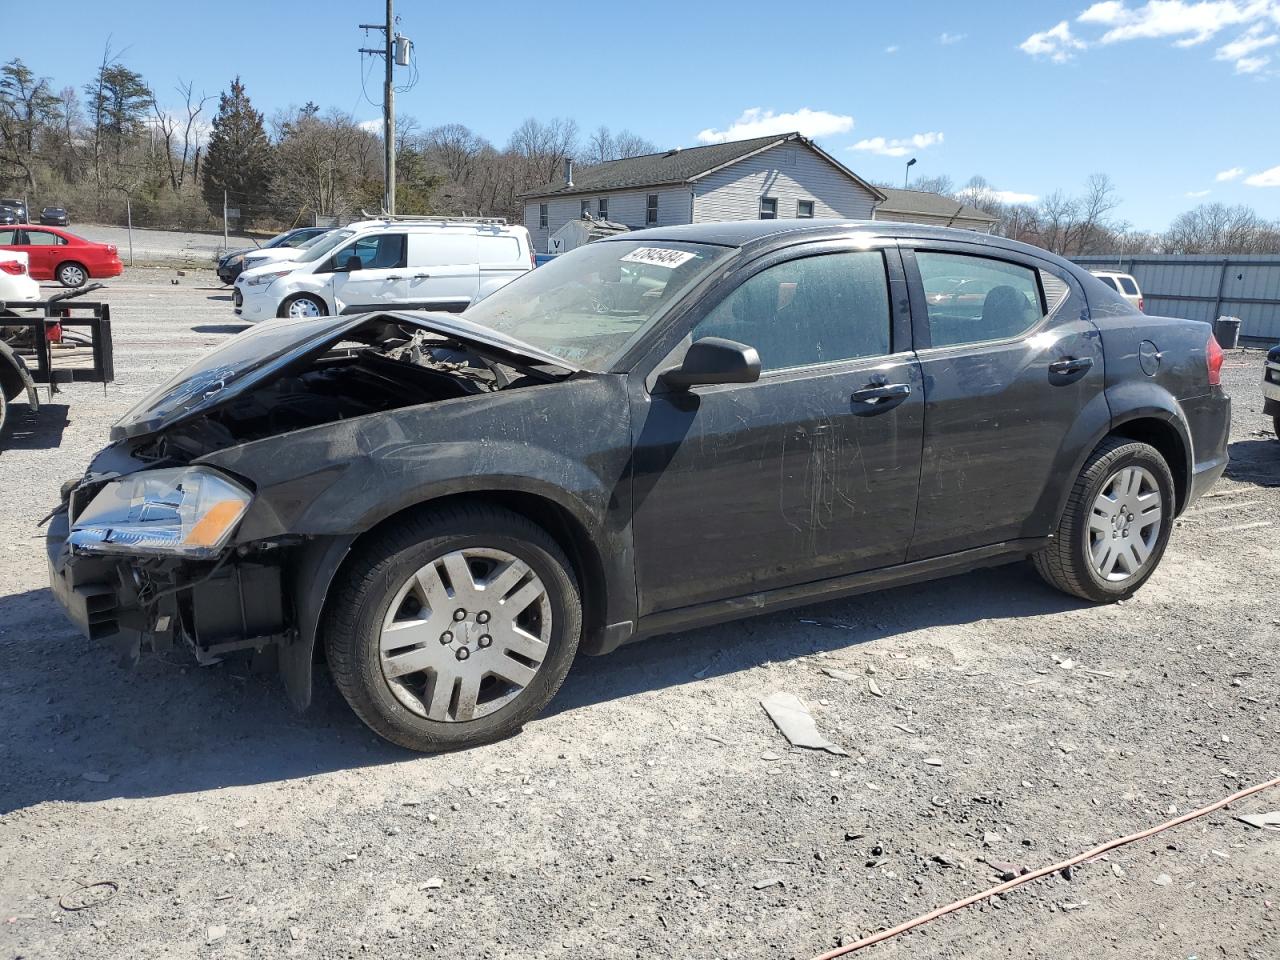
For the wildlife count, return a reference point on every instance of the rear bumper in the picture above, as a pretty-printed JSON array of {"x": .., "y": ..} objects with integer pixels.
[
  {"x": 110, "y": 268},
  {"x": 1209, "y": 420}
]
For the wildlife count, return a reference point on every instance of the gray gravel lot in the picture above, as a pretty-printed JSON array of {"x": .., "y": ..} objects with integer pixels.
[{"x": 639, "y": 815}]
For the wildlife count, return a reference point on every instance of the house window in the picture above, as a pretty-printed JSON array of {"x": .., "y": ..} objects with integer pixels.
[
  {"x": 584, "y": 208},
  {"x": 651, "y": 209},
  {"x": 542, "y": 216},
  {"x": 602, "y": 208},
  {"x": 768, "y": 208},
  {"x": 804, "y": 209}
]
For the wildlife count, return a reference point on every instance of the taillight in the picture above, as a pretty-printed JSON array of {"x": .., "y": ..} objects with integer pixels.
[
  {"x": 1142, "y": 305},
  {"x": 533, "y": 258},
  {"x": 1213, "y": 357},
  {"x": 13, "y": 267}
]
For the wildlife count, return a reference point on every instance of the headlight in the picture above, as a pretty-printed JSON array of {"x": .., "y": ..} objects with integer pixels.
[
  {"x": 236, "y": 259},
  {"x": 186, "y": 511},
  {"x": 260, "y": 278}
]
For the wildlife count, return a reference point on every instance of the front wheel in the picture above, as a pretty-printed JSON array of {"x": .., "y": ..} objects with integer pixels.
[
  {"x": 302, "y": 306},
  {"x": 1116, "y": 525},
  {"x": 453, "y": 628},
  {"x": 72, "y": 275}
]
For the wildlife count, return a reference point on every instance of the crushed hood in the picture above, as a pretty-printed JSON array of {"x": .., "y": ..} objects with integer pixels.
[{"x": 272, "y": 349}]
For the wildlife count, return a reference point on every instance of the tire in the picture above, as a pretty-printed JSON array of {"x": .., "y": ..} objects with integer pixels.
[
  {"x": 4, "y": 415},
  {"x": 71, "y": 274},
  {"x": 1092, "y": 523},
  {"x": 303, "y": 305},
  {"x": 382, "y": 589}
]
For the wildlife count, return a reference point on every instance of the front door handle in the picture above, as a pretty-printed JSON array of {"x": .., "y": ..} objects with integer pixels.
[
  {"x": 422, "y": 276},
  {"x": 395, "y": 276},
  {"x": 1071, "y": 365},
  {"x": 888, "y": 391}
]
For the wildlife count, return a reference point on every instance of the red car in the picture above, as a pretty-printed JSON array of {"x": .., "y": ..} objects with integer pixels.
[{"x": 55, "y": 254}]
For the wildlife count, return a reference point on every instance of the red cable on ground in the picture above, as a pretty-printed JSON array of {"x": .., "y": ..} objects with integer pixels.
[{"x": 1096, "y": 852}]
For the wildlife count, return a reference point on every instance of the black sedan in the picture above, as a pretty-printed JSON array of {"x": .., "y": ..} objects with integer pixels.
[
  {"x": 19, "y": 208},
  {"x": 231, "y": 263},
  {"x": 9, "y": 216},
  {"x": 55, "y": 217},
  {"x": 661, "y": 430}
]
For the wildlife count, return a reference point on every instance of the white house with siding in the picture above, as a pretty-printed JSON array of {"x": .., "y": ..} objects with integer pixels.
[{"x": 785, "y": 175}]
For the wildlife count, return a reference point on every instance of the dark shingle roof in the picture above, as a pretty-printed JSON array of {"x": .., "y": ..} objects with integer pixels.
[
  {"x": 668, "y": 167},
  {"x": 930, "y": 204}
]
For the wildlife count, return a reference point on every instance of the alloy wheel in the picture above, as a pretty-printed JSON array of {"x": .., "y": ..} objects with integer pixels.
[
  {"x": 304, "y": 307},
  {"x": 465, "y": 635},
  {"x": 1124, "y": 524}
]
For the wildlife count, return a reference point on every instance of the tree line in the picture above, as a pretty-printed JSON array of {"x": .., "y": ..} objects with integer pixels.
[
  {"x": 1077, "y": 224},
  {"x": 170, "y": 156}
]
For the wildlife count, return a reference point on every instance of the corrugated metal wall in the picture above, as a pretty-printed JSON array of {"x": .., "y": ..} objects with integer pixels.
[{"x": 1206, "y": 286}]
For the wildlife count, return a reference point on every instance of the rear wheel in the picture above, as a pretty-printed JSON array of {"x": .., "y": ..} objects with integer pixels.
[
  {"x": 302, "y": 306},
  {"x": 71, "y": 274},
  {"x": 454, "y": 628},
  {"x": 1116, "y": 525}
]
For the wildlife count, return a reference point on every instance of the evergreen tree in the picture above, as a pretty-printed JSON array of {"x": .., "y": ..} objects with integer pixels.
[{"x": 239, "y": 158}]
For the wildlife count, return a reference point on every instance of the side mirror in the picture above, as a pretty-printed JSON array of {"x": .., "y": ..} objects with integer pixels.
[
  {"x": 714, "y": 360},
  {"x": 353, "y": 263}
]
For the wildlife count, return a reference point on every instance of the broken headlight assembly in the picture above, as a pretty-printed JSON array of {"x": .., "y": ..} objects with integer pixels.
[{"x": 187, "y": 512}]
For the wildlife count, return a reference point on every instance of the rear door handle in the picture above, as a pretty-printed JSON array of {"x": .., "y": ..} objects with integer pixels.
[
  {"x": 888, "y": 391},
  {"x": 395, "y": 276},
  {"x": 422, "y": 276},
  {"x": 1071, "y": 365}
]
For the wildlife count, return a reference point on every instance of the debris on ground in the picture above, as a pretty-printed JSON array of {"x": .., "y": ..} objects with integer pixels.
[
  {"x": 770, "y": 882},
  {"x": 88, "y": 895},
  {"x": 793, "y": 719},
  {"x": 1263, "y": 821},
  {"x": 874, "y": 688},
  {"x": 835, "y": 674},
  {"x": 215, "y": 933}
]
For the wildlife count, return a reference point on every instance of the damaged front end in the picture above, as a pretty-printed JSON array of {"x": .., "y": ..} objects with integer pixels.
[{"x": 153, "y": 548}]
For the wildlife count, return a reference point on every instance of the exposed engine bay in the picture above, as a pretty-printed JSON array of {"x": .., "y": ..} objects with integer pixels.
[{"x": 398, "y": 368}]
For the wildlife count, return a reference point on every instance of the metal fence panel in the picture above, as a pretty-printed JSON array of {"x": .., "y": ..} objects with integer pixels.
[{"x": 1205, "y": 287}]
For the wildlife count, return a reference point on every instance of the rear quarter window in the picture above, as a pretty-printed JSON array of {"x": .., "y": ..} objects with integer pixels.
[
  {"x": 1109, "y": 281},
  {"x": 1128, "y": 286},
  {"x": 499, "y": 251}
]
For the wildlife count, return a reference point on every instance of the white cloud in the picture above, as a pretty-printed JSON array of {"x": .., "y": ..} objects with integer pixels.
[
  {"x": 898, "y": 147},
  {"x": 1187, "y": 23},
  {"x": 370, "y": 126},
  {"x": 1233, "y": 174},
  {"x": 757, "y": 122},
  {"x": 892, "y": 48},
  {"x": 1191, "y": 22},
  {"x": 1197, "y": 194},
  {"x": 1013, "y": 196},
  {"x": 1057, "y": 43},
  {"x": 1251, "y": 64},
  {"x": 946, "y": 39},
  {"x": 1267, "y": 178}
]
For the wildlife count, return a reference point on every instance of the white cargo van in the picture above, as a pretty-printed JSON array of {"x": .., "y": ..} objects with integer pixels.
[{"x": 396, "y": 263}]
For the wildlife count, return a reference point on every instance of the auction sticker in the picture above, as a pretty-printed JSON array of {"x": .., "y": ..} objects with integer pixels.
[{"x": 659, "y": 257}]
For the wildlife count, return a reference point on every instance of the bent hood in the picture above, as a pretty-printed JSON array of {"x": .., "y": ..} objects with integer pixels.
[{"x": 271, "y": 349}]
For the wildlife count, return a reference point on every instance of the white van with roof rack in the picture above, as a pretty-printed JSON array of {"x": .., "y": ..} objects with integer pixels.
[{"x": 393, "y": 263}]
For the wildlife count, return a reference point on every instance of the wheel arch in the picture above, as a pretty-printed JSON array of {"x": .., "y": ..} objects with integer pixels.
[
  {"x": 1171, "y": 438},
  {"x": 320, "y": 561}
]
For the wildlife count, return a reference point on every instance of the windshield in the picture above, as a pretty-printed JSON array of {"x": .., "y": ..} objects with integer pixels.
[
  {"x": 324, "y": 244},
  {"x": 588, "y": 305}
]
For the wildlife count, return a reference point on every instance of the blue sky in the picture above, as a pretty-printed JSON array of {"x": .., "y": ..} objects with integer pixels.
[{"x": 1178, "y": 100}]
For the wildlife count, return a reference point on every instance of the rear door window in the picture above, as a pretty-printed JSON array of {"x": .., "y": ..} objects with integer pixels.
[
  {"x": 1128, "y": 286},
  {"x": 498, "y": 251},
  {"x": 973, "y": 299},
  {"x": 8, "y": 238},
  {"x": 39, "y": 238}
]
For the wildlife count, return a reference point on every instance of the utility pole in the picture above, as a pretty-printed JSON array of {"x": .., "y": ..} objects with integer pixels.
[
  {"x": 388, "y": 53},
  {"x": 226, "y": 244}
]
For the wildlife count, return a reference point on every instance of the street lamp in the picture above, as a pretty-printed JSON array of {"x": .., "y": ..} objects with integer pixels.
[{"x": 907, "y": 173}]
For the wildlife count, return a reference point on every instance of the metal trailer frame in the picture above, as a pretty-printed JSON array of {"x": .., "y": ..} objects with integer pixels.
[{"x": 58, "y": 310}]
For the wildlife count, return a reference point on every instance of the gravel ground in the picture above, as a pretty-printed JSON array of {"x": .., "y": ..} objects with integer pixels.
[{"x": 650, "y": 810}]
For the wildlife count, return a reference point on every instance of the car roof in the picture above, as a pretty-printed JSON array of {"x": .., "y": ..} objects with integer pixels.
[{"x": 745, "y": 233}]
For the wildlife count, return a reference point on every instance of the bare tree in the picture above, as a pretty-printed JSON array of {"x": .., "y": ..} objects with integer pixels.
[{"x": 176, "y": 130}]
